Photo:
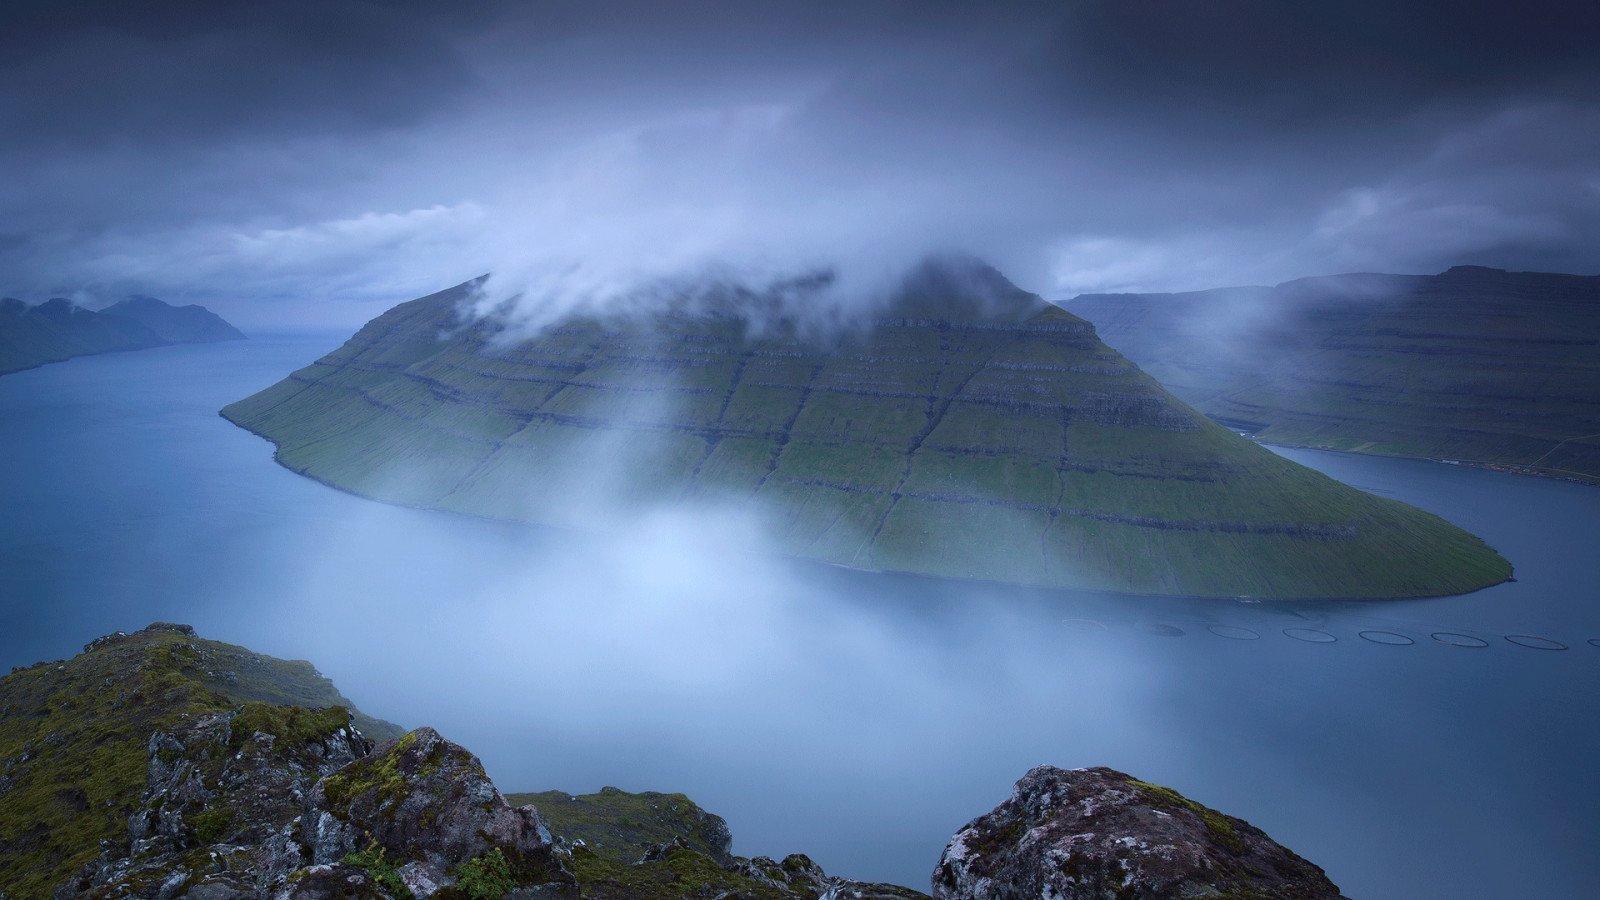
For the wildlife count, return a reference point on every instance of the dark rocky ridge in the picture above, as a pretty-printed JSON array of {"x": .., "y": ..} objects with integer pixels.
[
  {"x": 60, "y": 329},
  {"x": 969, "y": 407},
  {"x": 256, "y": 799},
  {"x": 1474, "y": 364}
]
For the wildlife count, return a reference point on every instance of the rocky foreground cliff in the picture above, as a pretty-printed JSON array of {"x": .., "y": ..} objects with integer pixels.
[
  {"x": 968, "y": 407},
  {"x": 159, "y": 764}
]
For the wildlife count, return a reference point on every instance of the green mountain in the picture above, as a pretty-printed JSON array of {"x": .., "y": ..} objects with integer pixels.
[
  {"x": 1475, "y": 365},
  {"x": 622, "y": 827},
  {"x": 971, "y": 430},
  {"x": 191, "y": 324},
  {"x": 60, "y": 329}
]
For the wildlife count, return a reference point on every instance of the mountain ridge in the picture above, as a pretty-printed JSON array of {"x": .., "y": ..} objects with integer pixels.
[
  {"x": 58, "y": 329},
  {"x": 1475, "y": 364}
]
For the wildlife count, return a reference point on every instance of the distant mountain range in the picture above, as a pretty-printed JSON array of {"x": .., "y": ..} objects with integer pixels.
[
  {"x": 60, "y": 329},
  {"x": 971, "y": 430},
  {"x": 1474, "y": 364}
]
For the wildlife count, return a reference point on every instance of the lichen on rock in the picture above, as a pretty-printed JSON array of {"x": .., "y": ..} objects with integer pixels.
[{"x": 1099, "y": 833}]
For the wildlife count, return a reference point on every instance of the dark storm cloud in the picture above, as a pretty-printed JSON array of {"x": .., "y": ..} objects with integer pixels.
[
  {"x": 154, "y": 73},
  {"x": 306, "y": 153},
  {"x": 1266, "y": 62}
]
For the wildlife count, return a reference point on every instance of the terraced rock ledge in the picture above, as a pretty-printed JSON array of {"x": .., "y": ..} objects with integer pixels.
[{"x": 971, "y": 430}]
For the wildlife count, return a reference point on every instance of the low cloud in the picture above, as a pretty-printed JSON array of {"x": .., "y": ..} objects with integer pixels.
[{"x": 585, "y": 154}]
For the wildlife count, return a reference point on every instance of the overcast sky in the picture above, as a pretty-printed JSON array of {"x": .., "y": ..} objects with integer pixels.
[{"x": 314, "y": 162}]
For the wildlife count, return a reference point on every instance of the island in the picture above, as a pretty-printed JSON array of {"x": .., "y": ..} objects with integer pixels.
[{"x": 967, "y": 429}]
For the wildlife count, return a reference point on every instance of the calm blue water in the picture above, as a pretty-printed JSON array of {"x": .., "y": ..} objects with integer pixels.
[{"x": 858, "y": 718}]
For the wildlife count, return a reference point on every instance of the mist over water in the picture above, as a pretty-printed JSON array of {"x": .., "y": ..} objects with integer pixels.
[{"x": 858, "y": 718}]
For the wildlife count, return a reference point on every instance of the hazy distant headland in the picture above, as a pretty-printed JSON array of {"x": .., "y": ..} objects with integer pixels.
[
  {"x": 1472, "y": 365},
  {"x": 966, "y": 429},
  {"x": 59, "y": 329}
]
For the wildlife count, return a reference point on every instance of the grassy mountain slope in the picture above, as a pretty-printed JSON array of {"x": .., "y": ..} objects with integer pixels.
[
  {"x": 73, "y": 735},
  {"x": 622, "y": 826},
  {"x": 974, "y": 431},
  {"x": 1473, "y": 364}
]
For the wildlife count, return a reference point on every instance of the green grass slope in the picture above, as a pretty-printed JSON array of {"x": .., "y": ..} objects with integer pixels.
[
  {"x": 191, "y": 324},
  {"x": 972, "y": 431},
  {"x": 73, "y": 735},
  {"x": 622, "y": 826},
  {"x": 618, "y": 838},
  {"x": 1477, "y": 365}
]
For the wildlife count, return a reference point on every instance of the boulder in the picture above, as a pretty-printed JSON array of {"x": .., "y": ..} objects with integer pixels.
[
  {"x": 1101, "y": 833},
  {"x": 426, "y": 805}
]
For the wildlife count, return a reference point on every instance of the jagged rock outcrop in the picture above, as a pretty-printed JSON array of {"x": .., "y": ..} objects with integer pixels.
[
  {"x": 968, "y": 406},
  {"x": 76, "y": 774},
  {"x": 1092, "y": 833},
  {"x": 427, "y": 804},
  {"x": 284, "y": 802},
  {"x": 191, "y": 324}
]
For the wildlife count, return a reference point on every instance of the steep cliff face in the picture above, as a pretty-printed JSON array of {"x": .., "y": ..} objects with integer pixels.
[
  {"x": 1473, "y": 364},
  {"x": 1093, "y": 833},
  {"x": 75, "y": 738},
  {"x": 971, "y": 430}
]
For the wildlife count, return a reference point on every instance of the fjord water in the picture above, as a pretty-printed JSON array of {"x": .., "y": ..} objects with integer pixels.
[{"x": 856, "y": 717}]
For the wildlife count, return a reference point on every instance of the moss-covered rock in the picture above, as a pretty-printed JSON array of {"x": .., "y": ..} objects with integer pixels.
[
  {"x": 223, "y": 794},
  {"x": 426, "y": 804},
  {"x": 74, "y": 737},
  {"x": 1093, "y": 833}
]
